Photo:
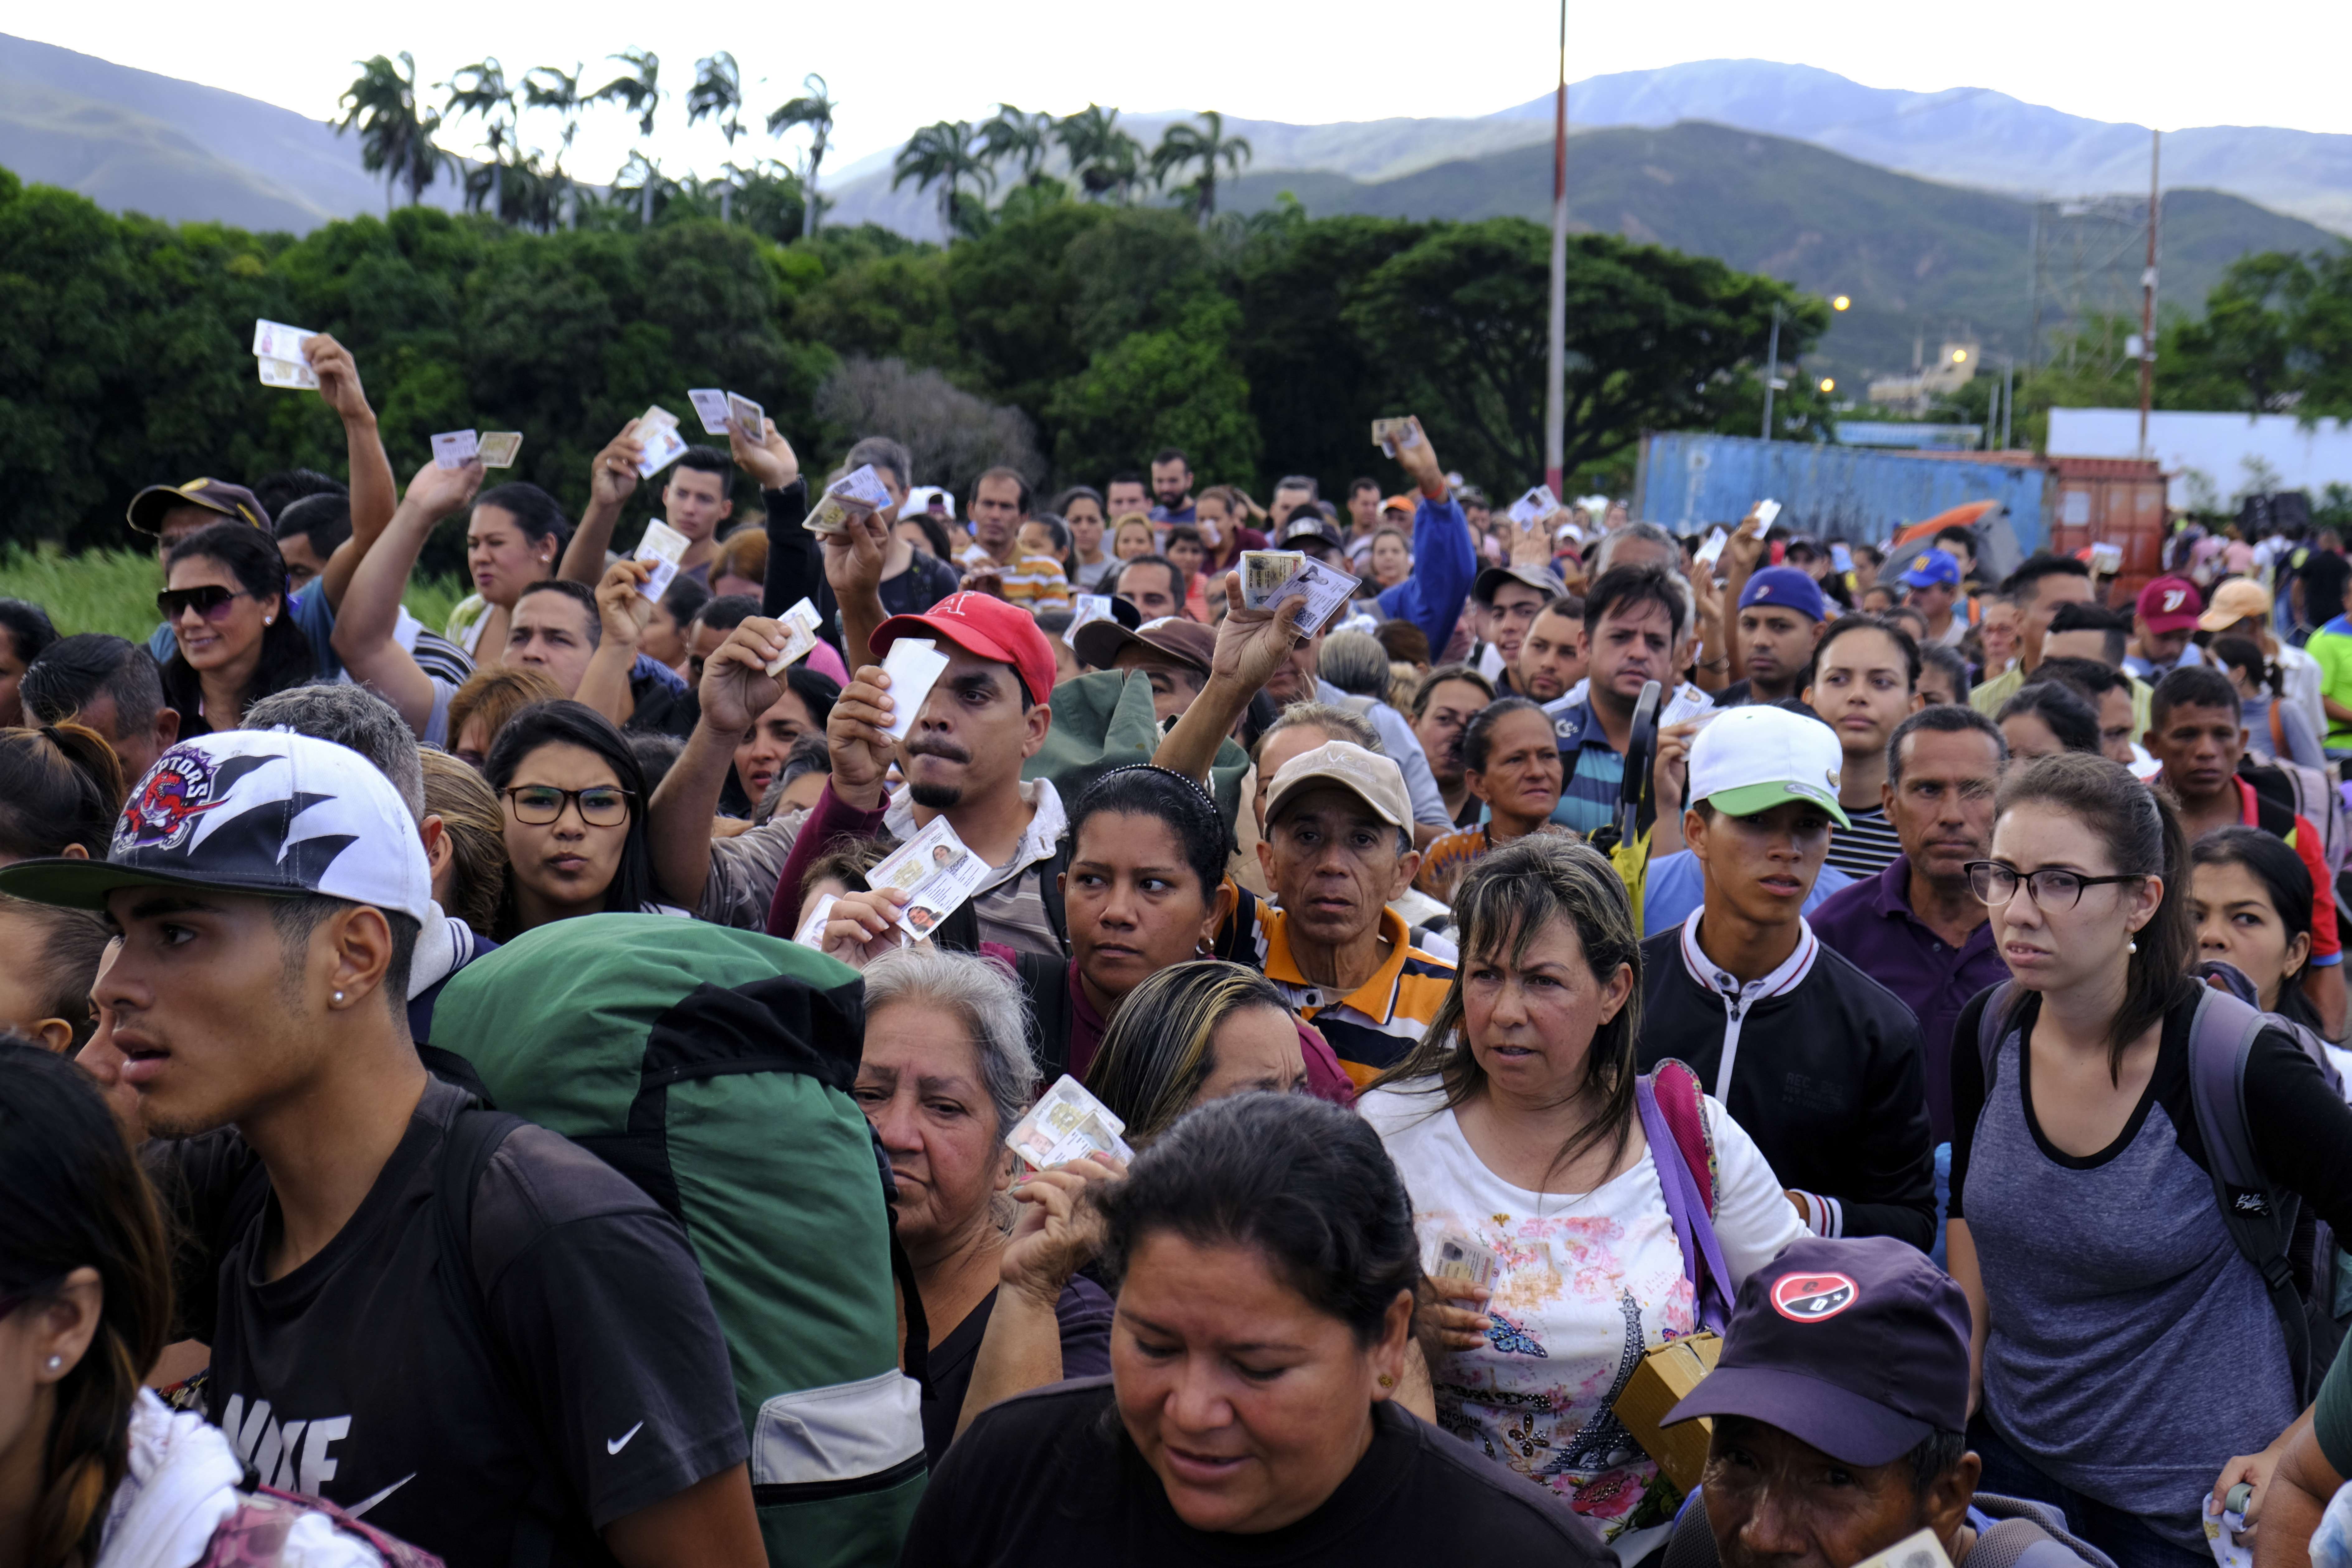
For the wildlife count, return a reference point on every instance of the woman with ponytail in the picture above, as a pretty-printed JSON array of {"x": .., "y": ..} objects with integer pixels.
[
  {"x": 95, "y": 1472},
  {"x": 60, "y": 791},
  {"x": 2125, "y": 1346}
]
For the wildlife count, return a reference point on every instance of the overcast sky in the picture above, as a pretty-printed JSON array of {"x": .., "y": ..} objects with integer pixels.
[{"x": 896, "y": 66}]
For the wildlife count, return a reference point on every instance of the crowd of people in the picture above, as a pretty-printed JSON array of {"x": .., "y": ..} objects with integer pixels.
[{"x": 470, "y": 1096}]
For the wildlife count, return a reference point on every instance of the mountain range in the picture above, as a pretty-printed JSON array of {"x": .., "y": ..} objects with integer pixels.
[{"x": 1915, "y": 204}]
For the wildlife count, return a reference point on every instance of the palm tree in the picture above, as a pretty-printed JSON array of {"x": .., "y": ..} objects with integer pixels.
[
  {"x": 642, "y": 94},
  {"x": 481, "y": 90},
  {"x": 643, "y": 173},
  {"x": 546, "y": 88},
  {"x": 717, "y": 91},
  {"x": 1010, "y": 133},
  {"x": 1181, "y": 144},
  {"x": 946, "y": 155},
  {"x": 814, "y": 108},
  {"x": 1103, "y": 158},
  {"x": 395, "y": 140}
]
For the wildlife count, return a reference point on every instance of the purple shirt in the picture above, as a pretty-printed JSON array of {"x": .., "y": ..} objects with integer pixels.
[{"x": 1871, "y": 923}]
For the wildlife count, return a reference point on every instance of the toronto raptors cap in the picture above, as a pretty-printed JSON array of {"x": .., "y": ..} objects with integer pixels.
[
  {"x": 1858, "y": 1347},
  {"x": 262, "y": 812}
]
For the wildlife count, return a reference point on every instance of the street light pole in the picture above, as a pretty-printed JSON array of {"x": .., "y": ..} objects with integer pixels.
[
  {"x": 1771, "y": 369},
  {"x": 1556, "y": 365},
  {"x": 2148, "y": 294}
]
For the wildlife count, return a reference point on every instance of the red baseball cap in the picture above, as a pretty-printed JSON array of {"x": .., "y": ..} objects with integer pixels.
[
  {"x": 987, "y": 625},
  {"x": 2171, "y": 604}
]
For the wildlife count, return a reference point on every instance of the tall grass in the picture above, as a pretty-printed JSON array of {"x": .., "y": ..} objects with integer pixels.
[{"x": 114, "y": 589}]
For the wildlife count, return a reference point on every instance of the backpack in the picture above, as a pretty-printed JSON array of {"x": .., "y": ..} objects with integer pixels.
[
  {"x": 712, "y": 1067},
  {"x": 1673, "y": 1120},
  {"x": 2294, "y": 1251}
]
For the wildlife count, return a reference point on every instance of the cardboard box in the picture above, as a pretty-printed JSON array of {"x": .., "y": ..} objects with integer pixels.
[{"x": 1657, "y": 1385}]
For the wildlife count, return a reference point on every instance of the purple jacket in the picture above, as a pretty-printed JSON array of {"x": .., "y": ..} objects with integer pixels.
[{"x": 1871, "y": 923}]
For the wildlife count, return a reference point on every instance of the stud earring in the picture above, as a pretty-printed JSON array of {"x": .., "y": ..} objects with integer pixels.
[
  {"x": 269, "y": 620},
  {"x": 1387, "y": 1382},
  {"x": 339, "y": 998},
  {"x": 56, "y": 1363}
]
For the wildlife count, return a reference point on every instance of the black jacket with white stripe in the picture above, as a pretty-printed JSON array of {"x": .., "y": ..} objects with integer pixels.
[{"x": 1818, "y": 1063}]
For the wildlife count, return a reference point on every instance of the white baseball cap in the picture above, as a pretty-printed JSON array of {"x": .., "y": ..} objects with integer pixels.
[
  {"x": 266, "y": 812},
  {"x": 1753, "y": 758}
]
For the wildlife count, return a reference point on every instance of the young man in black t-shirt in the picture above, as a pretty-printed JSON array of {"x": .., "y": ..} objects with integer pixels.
[{"x": 465, "y": 1330}]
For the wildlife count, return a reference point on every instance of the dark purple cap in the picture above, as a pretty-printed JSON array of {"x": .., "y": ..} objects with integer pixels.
[{"x": 1859, "y": 1348}]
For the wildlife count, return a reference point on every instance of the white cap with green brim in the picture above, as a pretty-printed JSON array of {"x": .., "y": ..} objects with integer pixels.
[{"x": 1748, "y": 760}]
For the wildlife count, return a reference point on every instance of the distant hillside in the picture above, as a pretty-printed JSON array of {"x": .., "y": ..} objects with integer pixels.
[
  {"x": 1909, "y": 252},
  {"x": 1971, "y": 135},
  {"x": 132, "y": 141}
]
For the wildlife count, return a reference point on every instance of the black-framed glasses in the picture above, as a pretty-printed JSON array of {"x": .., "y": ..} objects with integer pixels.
[
  {"x": 210, "y": 601},
  {"x": 599, "y": 805},
  {"x": 2052, "y": 887}
]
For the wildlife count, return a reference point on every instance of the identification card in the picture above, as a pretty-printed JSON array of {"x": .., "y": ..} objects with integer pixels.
[
  {"x": 1392, "y": 436},
  {"x": 1766, "y": 511},
  {"x": 455, "y": 449},
  {"x": 1327, "y": 591},
  {"x": 287, "y": 373},
  {"x": 914, "y": 665},
  {"x": 1919, "y": 1550},
  {"x": 935, "y": 870},
  {"x": 748, "y": 417},
  {"x": 1688, "y": 702},
  {"x": 800, "y": 624},
  {"x": 498, "y": 448},
  {"x": 1089, "y": 607},
  {"x": 275, "y": 340},
  {"x": 1534, "y": 507},
  {"x": 664, "y": 547},
  {"x": 1263, "y": 572},
  {"x": 812, "y": 932},
  {"x": 1067, "y": 1123},
  {"x": 657, "y": 435},
  {"x": 1459, "y": 1258},
  {"x": 710, "y": 407},
  {"x": 1710, "y": 549},
  {"x": 858, "y": 492}
]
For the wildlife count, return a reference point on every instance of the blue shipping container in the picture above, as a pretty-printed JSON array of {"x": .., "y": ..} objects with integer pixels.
[{"x": 1688, "y": 481}]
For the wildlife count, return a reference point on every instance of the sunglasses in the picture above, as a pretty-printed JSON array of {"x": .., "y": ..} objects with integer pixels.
[{"x": 210, "y": 601}]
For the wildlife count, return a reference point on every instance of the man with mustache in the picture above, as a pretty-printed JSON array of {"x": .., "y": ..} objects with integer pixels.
[
  {"x": 982, "y": 719},
  {"x": 1915, "y": 927}
]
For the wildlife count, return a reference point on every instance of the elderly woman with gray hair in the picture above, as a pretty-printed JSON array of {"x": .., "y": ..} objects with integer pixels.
[{"x": 946, "y": 1073}]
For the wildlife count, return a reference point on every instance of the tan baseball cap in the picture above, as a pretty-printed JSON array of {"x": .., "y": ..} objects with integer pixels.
[
  {"x": 1372, "y": 778},
  {"x": 2235, "y": 601}
]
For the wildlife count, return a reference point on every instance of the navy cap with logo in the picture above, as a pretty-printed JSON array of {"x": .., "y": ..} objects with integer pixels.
[
  {"x": 1858, "y": 1347},
  {"x": 267, "y": 813},
  {"x": 1788, "y": 588}
]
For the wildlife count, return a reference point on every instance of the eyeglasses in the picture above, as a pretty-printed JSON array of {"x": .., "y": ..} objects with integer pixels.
[
  {"x": 2053, "y": 887},
  {"x": 210, "y": 601},
  {"x": 601, "y": 805}
]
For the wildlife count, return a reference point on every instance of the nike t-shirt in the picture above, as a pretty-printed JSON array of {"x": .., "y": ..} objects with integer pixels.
[{"x": 581, "y": 1377}]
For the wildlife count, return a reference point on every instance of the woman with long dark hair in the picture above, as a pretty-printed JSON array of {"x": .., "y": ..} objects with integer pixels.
[
  {"x": 224, "y": 600},
  {"x": 2250, "y": 895},
  {"x": 2104, "y": 1279},
  {"x": 574, "y": 796},
  {"x": 60, "y": 790},
  {"x": 1514, "y": 1124},
  {"x": 95, "y": 1471}
]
